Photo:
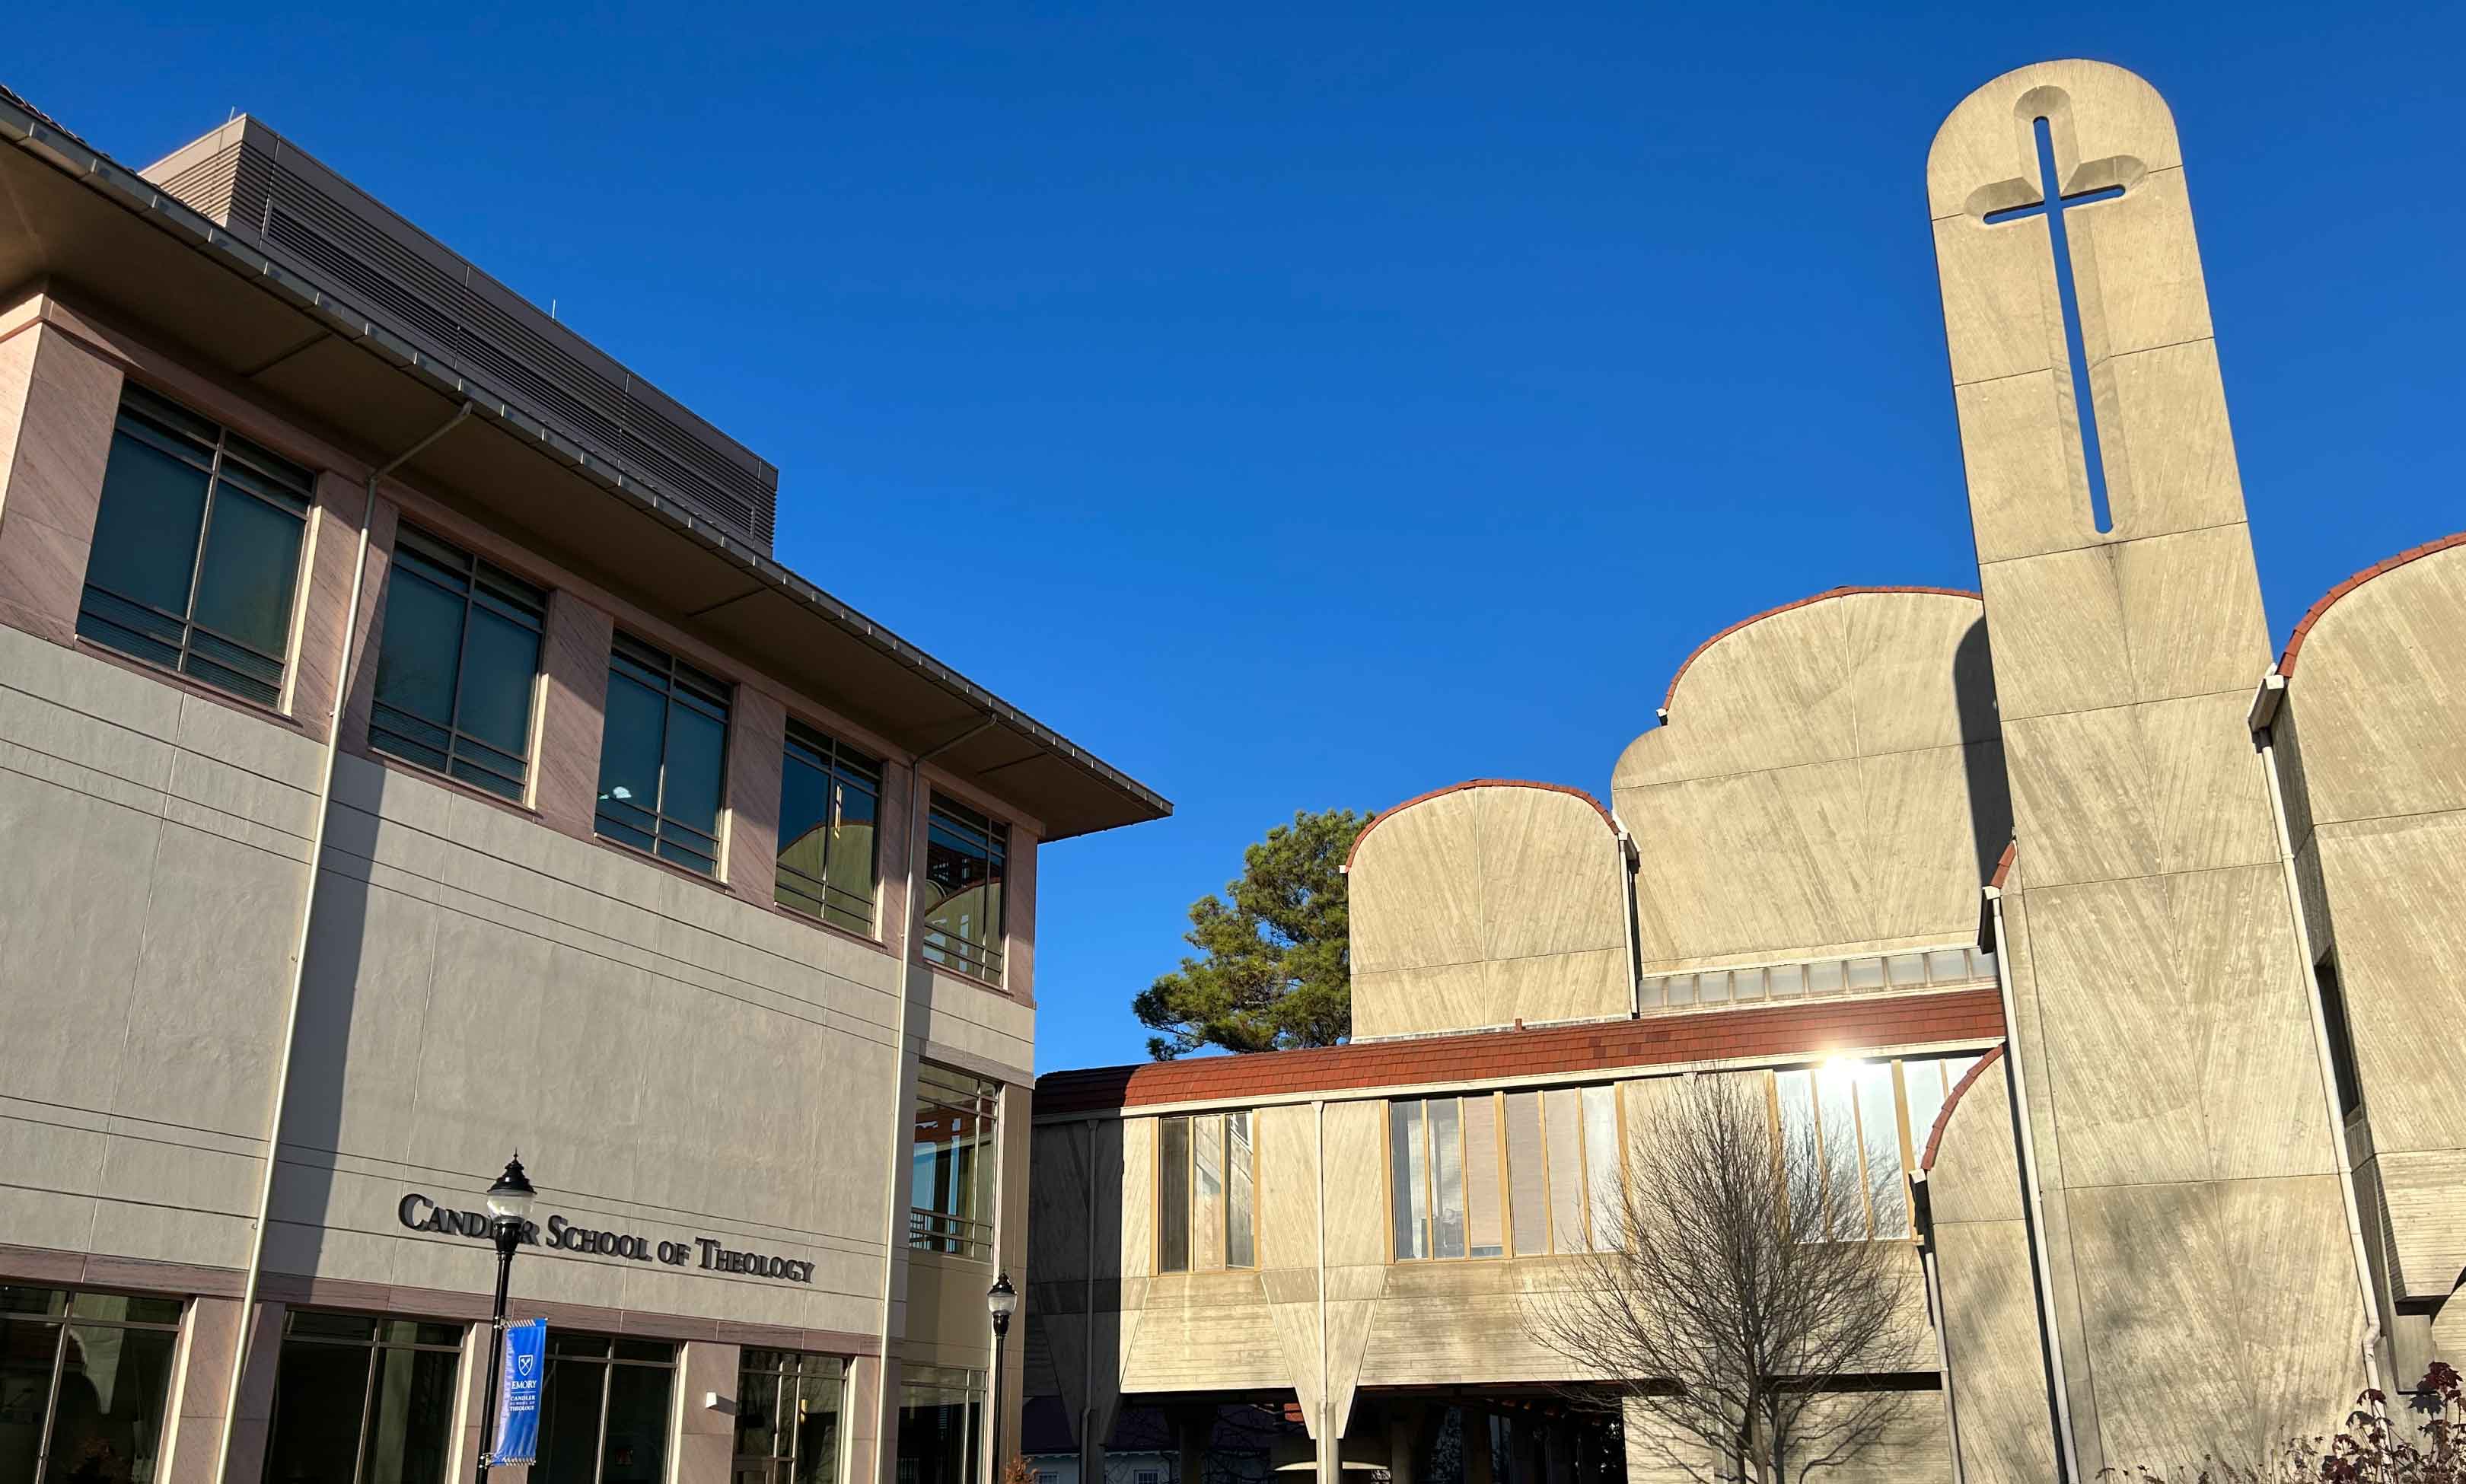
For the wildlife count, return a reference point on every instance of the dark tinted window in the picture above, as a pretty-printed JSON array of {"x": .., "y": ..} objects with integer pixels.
[
  {"x": 456, "y": 666},
  {"x": 359, "y": 1397},
  {"x": 196, "y": 550},
  {"x": 664, "y": 755},
  {"x": 605, "y": 1420},
  {"x": 84, "y": 1379}
]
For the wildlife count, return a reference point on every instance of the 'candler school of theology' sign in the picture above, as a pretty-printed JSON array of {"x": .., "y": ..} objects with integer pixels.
[{"x": 421, "y": 1214}]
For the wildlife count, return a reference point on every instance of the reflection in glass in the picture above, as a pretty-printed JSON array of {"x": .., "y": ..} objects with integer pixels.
[
  {"x": 941, "y": 1414},
  {"x": 456, "y": 666},
  {"x": 84, "y": 1380},
  {"x": 603, "y": 1419},
  {"x": 195, "y": 556},
  {"x": 788, "y": 1406},
  {"x": 829, "y": 797},
  {"x": 965, "y": 854},
  {"x": 951, "y": 1179},
  {"x": 663, "y": 756}
]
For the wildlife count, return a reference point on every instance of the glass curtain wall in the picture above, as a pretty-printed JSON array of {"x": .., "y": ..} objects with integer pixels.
[
  {"x": 84, "y": 1379},
  {"x": 362, "y": 1398}
]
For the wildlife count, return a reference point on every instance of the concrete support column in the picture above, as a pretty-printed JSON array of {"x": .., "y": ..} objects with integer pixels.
[
  {"x": 706, "y": 1435},
  {"x": 200, "y": 1395},
  {"x": 1403, "y": 1444},
  {"x": 1475, "y": 1423},
  {"x": 1558, "y": 1450},
  {"x": 864, "y": 1412},
  {"x": 1191, "y": 1428}
]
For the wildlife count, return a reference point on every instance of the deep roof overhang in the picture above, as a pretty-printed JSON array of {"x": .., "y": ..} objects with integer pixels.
[{"x": 89, "y": 227}]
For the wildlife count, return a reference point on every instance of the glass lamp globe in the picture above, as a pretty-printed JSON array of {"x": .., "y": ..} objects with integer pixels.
[{"x": 509, "y": 1199}]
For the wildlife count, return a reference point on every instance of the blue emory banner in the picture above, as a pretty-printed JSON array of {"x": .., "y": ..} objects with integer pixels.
[{"x": 518, "y": 1403}]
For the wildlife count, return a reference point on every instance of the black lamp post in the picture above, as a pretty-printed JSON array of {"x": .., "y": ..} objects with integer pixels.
[
  {"x": 1002, "y": 1301},
  {"x": 509, "y": 1205}
]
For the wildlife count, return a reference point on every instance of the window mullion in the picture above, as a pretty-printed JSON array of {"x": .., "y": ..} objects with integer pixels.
[
  {"x": 599, "y": 1452},
  {"x": 52, "y": 1402},
  {"x": 368, "y": 1401}
]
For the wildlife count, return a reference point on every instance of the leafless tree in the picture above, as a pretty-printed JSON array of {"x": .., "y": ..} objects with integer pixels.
[{"x": 1738, "y": 1303}]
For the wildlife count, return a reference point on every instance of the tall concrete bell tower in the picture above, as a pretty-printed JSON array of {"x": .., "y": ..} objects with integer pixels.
[{"x": 2203, "y": 1280}]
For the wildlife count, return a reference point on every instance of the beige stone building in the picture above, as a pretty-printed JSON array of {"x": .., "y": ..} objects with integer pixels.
[
  {"x": 410, "y": 753},
  {"x": 2127, "y": 961}
]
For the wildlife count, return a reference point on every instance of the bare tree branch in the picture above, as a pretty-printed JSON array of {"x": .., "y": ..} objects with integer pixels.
[{"x": 1740, "y": 1305}]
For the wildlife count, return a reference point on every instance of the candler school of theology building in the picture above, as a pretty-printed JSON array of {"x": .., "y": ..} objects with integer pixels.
[
  {"x": 409, "y": 754},
  {"x": 2130, "y": 964}
]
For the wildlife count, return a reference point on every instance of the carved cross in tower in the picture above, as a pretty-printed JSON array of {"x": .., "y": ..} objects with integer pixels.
[{"x": 2054, "y": 203}]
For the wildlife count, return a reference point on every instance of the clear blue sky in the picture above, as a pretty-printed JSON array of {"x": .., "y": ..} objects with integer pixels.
[{"x": 1356, "y": 402}]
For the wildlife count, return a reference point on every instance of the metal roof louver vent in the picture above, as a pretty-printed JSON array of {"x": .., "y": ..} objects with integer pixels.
[{"x": 262, "y": 187}]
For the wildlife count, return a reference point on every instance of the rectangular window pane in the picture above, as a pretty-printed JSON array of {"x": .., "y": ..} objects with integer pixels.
[
  {"x": 1207, "y": 1192},
  {"x": 318, "y": 1390},
  {"x": 1526, "y": 1183},
  {"x": 108, "y": 1411},
  {"x": 244, "y": 581},
  {"x": 419, "y": 653},
  {"x": 1446, "y": 1174},
  {"x": 411, "y": 1408},
  {"x": 1567, "y": 1140},
  {"x": 1879, "y": 1128},
  {"x": 697, "y": 757},
  {"x": 568, "y": 1436},
  {"x": 636, "y": 721},
  {"x": 1485, "y": 1233},
  {"x": 804, "y": 829},
  {"x": 1241, "y": 1215},
  {"x": 1173, "y": 1195},
  {"x": 940, "y": 1419},
  {"x": 1922, "y": 1084},
  {"x": 951, "y": 1181},
  {"x": 964, "y": 857},
  {"x": 500, "y": 667},
  {"x": 28, "y": 1346},
  {"x": 1602, "y": 1162},
  {"x": 855, "y": 871},
  {"x": 637, "y": 1446},
  {"x": 145, "y": 530},
  {"x": 1837, "y": 1120},
  {"x": 1408, "y": 1176}
]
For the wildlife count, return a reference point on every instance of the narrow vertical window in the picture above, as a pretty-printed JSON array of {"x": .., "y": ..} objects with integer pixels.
[
  {"x": 965, "y": 853},
  {"x": 830, "y": 795},
  {"x": 1409, "y": 1180},
  {"x": 457, "y": 666},
  {"x": 951, "y": 1180},
  {"x": 1836, "y": 1119},
  {"x": 1485, "y": 1232},
  {"x": 196, "y": 550},
  {"x": 941, "y": 1424},
  {"x": 664, "y": 755},
  {"x": 1528, "y": 1193},
  {"x": 1447, "y": 1177},
  {"x": 1569, "y": 1212},
  {"x": 1241, "y": 1200},
  {"x": 1207, "y": 1192},
  {"x": 1601, "y": 1164},
  {"x": 2342, "y": 1039},
  {"x": 1173, "y": 1195},
  {"x": 1879, "y": 1138}
]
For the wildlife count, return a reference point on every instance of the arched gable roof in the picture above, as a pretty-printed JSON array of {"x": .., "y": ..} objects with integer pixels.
[
  {"x": 2329, "y": 599},
  {"x": 1438, "y": 792},
  {"x": 1670, "y": 696}
]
